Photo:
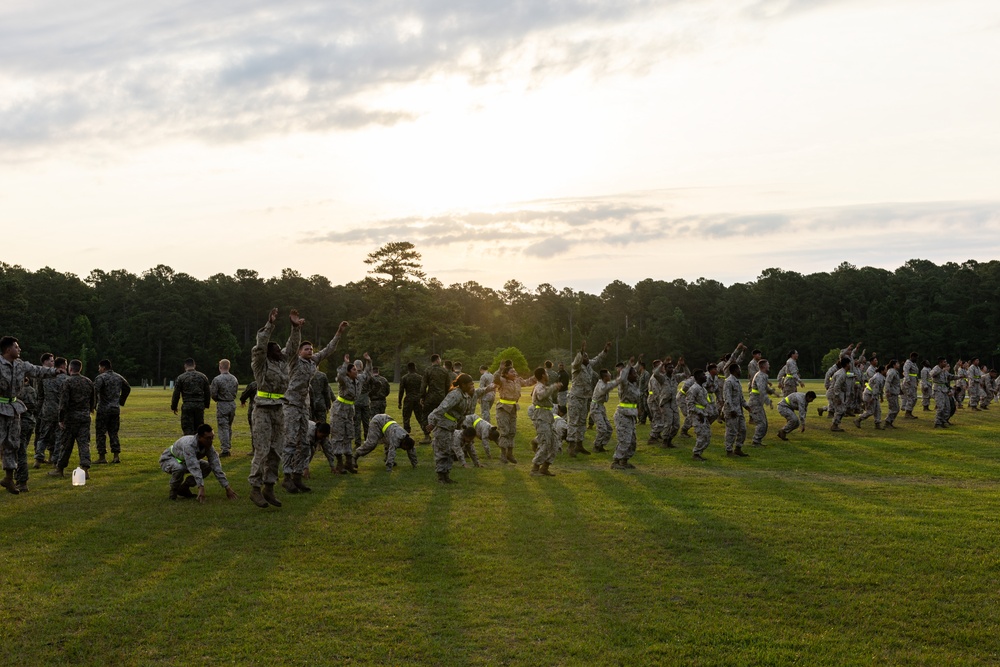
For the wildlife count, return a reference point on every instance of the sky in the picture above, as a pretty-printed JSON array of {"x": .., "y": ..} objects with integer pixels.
[{"x": 572, "y": 143}]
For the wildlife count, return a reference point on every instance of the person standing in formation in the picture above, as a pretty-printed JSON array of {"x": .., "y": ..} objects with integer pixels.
[
  {"x": 911, "y": 374},
  {"x": 433, "y": 388},
  {"x": 926, "y": 387},
  {"x": 598, "y": 410},
  {"x": 581, "y": 388},
  {"x": 733, "y": 405},
  {"x": 363, "y": 403},
  {"x": 409, "y": 396},
  {"x": 378, "y": 392},
  {"x": 486, "y": 382},
  {"x": 49, "y": 391},
  {"x": 701, "y": 410},
  {"x": 320, "y": 397},
  {"x": 652, "y": 398},
  {"x": 941, "y": 378},
  {"x": 349, "y": 387},
  {"x": 893, "y": 388},
  {"x": 28, "y": 398},
  {"x": 758, "y": 394},
  {"x": 223, "y": 389},
  {"x": 195, "y": 389},
  {"x": 974, "y": 376},
  {"x": 270, "y": 365},
  {"x": 626, "y": 416},
  {"x": 542, "y": 418},
  {"x": 112, "y": 392},
  {"x": 508, "y": 390},
  {"x": 76, "y": 403}
]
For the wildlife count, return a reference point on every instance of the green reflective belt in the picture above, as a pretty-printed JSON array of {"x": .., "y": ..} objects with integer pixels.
[
  {"x": 540, "y": 407},
  {"x": 628, "y": 405},
  {"x": 650, "y": 393},
  {"x": 699, "y": 406},
  {"x": 476, "y": 423},
  {"x": 683, "y": 390},
  {"x": 8, "y": 400},
  {"x": 447, "y": 416},
  {"x": 344, "y": 400},
  {"x": 387, "y": 425},
  {"x": 179, "y": 459},
  {"x": 869, "y": 387},
  {"x": 789, "y": 376},
  {"x": 267, "y": 394},
  {"x": 787, "y": 401},
  {"x": 912, "y": 375},
  {"x": 710, "y": 400},
  {"x": 755, "y": 391},
  {"x": 504, "y": 401}
]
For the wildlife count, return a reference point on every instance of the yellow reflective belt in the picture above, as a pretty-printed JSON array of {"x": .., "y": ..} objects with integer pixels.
[
  {"x": 869, "y": 387},
  {"x": 710, "y": 400},
  {"x": 683, "y": 390},
  {"x": 540, "y": 407},
  {"x": 699, "y": 406},
  {"x": 650, "y": 393},
  {"x": 179, "y": 459},
  {"x": 447, "y": 416},
  {"x": 789, "y": 376},
  {"x": 912, "y": 375},
  {"x": 344, "y": 400},
  {"x": 627, "y": 405},
  {"x": 787, "y": 401},
  {"x": 8, "y": 400},
  {"x": 476, "y": 423},
  {"x": 504, "y": 401},
  {"x": 267, "y": 394},
  {"x": 754, "y": 391},
  {"x": 387, "y": 425}
]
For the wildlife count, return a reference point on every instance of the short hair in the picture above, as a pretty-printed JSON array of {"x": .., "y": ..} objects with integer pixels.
[
  {"x": 76, "y": 365},
  {"x": 105, "y": 363},
  {"x": 710, "y": 367},
  {"x": 620, "y": 364},
  {"x": 763, "y": 362},
  {"x": 304, "y": 343},
  {"x": 59, "y": 362},
  {"x": 940, "y": 359},
  {"x": 484, "y": 368},
  {"x": 539, "y": 373},
  {"x": 6, "y": 343},
  {"x": 447, "y": 364},
  {"x": 548, "y": 364},
  {"x": 407, "y": 443},
  {"x": 603, "y": 372},
  {"x": 642, "y": 364},
  {"x": 699, "y": 376},
  {"x": 189, "y": 362},
  {"x": 810, "y": 396},
  {"x": 755, "y": 351},
  {"x": 435, "y": 357},
  {"x": 469, "y": 432},
  {"x": 914, "y": 355},
  {"x": 734, "y": 369},
  {"x": 204, "y": 428},
  {"x": 46, "y": 357},
  {"x": 494, "y": 434},
  {"x": 224, "y": 363},
  {"x": 374, "y": 369},
  {"x": 323, "y": 428},
  {"x": 844, "y": 361},
  {"x": 412, "y": 367},
  {"x": 792, "y": 352},
  {"x": 457, "y": 365}
]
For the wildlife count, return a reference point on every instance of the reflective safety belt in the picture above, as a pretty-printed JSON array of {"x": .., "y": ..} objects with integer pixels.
[
  {"x": 869, "y": 388},
  {"x": 179, "y": 459},
  {"x": 633, "y": 406},
  {"x": 448, "y": 416},
  {"x": 8, "y": 400},
  {"x": 344, "y": 400},
  {"x": 540, "y": 407},
  {"x": 789, "y": 376},
  {"x": 787, "y": 401},
  {"x": 267, "y": 394},
  {"x": 504, "y": 401},
  {"x": 387, "y": 425},
  {"x": 475, "y": 423},
  {"x": 697, "y": 405}
]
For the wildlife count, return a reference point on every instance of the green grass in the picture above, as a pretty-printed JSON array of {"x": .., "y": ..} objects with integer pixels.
[{"x": 864, "y": 547}]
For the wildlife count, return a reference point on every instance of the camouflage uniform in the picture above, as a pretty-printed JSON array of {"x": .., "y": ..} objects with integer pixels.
[
  {"x": 508, "y": 394},
  {"x": 685, "y": 405},
  {"x": 223, "y": 390},
  {"x": 184, "y": 457},
  {"x": 599, "y": 413},
  {"x": 460, "y": 450},
  {"x": 362, "y": 406},
  {"x": 445, "y": 418},
  {"x": 324, "y": 444},
  {"x": 296, "y": 407},
  {"x": 926, "y": 387},
  {"x": 49, "y": 432},
  {"x": 581, "y": 388},
  {"x": 787, "y": 407},
  {"x": 791, "y": 379},
  {"x": 701, "y": 409},
  {"x": 482, "y": 427},
  {"x": 486, "y": 402},
  {"x": 733, "y": 405},
  {"x": 668, "y": 407},
  {"x": 249, "y": 396},
  {"x": 12, "y": 376},
  {"x": 409, "y": 399},
  {"x": 29, "y": 398},
  {"x": 758, "y": 394},
  {"x": 382, "y": 428},
  {"x": 942, "y": 394},
  {"x": 112, "y": 392},
  {"x": 320, "y": 397},
  {"x": 342, "y": 413},
  {"x": 378, "y": 393},
  {"x": 541, "y": 401},
  {"x": 893, "y": 388},
  {"x": 840, "y": 384},
  {"x": 644, "y": 378},
  {"x": 434, "y": 386},
  {"x": 75, "y": 405},
  {"x": 975, "y": 380},
  {"x": 625, "y": 416},
  {"x": 268, "y": 427},
  {"x": 194, "y": 387},
  {"x": 873, "y": 400},
  {"x": 911, "y": 373}
]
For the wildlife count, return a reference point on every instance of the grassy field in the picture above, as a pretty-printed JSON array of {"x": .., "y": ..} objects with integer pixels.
[{"x": 864, "y": 547}]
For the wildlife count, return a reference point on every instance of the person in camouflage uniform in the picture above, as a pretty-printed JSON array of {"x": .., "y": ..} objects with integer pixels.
[
  {"x": 184, "y": 456},
  {"x": 349, "y": 387},
  {"x": 409, "y": 396},
  {"x": 974, "y": 376},
  {"x": 598, "y": 410},
  {"x": 508, "y": 390},
  {"x": 195, "y": 389},
  {"x": 49, "y": 390},
  {"x": 247, "y": 400},
  {"x": 383, "y": 428},
  {"x": 112, "y": 392},
  {"x": 787, "y": 408},
  {"x": 581, "y": 390},
  {"x": 644, "y": 377},
  {"x": 318, "y": 437},
  {"x": 76, "y": 403},
  {"x": 759, "y": 388},
  {"x": 363, "y": 403},
  {"x": 542, "y": 402},
  {"x": 840, "y": 384},
  {"x": 926, "y": 387},
  {"x": 893, "y": 388},
  {"x": 270, "y": 366},
  {"x": 701, "y": 411},
  {"x": 872, "y": 397},
  {"x": 486, "y": 431},
  {"x": 941, "y": 378},
  {"x": 733, "y": 405},
  {"x": 223, "y": 389},
  {"x": 28, "y": 397},
  {"x": 296, "y": 407},
  {"x": 486, "y": 382},
  {"x": 626, "y": 416},
  {"x": 320, "y": 397},
  {"x": 792, "y": 380},
  {"x": 652, "y": 399},
  {"x": 434, "y": 386},
  {"x": 459, "y": 403},
  {"x": 378, "y": 392},
  {"x": 910, "y": 379}
]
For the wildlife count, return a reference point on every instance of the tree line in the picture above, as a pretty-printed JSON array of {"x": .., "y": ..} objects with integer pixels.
[{"x": 147, "y": 324}]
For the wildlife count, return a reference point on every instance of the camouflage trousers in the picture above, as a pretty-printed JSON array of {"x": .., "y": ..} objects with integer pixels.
[
  {"x": 191, "y": 418},
  {"x": 318, "y": 413},
  {"x": 702, "y": 434},
  {"x": 327, "y": 446},
  {"x": 443, "y": 438},
  {"x": 362, "y": 415},
  {"x": 655, "y": 417},
  {"x": 462, "y": 451},
  {"x": 410, "y": 408},
  {"x": 671, "y": 420},
  {"x": 546, "y": 438},
  {"x": 893, "y": 401},
  {"x": 599, "y": 413},
  {"x": 225, "y": 415},
  {"x": 759, "y": 416},
  {"x": 341, "y": 427},
  {"x": 10, "y": 440},
  {"x": 485, "y": 404},
  {"x": 925, "y": 394},
  {"x": 975, "y": 394},
  {"x": 792, "y": 417},
  {"x": 909, "y": 396},
  {"x": 371, "y": 442},
  {"x": 177, "y": 469},
  {"x": 507, "y": 424},
  {"x": 736, "y": 430},
  {"x": 47, "y": 438},
  {"x": 942, "y": 404},
  {"x": 297, "y": 452},
  {"x": 838, "y": 406},
  {"x": 21, "y": 476},
  {"x": 77, "y": 432},
  {"x": 268, "y": 441},
  {"x": 873, "y": 408},
  {"x": 106, "y": 426},
  {"x": 625, "y": 430},
  {"x": 576, "y": 418}
]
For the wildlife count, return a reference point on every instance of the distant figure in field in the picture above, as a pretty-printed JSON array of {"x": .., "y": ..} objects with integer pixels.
[
  {"x": 486, "y": 382},
  {"x": 893, "y": 388},
  {"x": 378, "y": 392},
  {"x": 759, "y": 387},
  {"x": 542, "y": 402},
  {"x": 193, "y": 386},
  {"x": 626, "y": 415},
  {"x": 409, "y": 396},
  {"x": 223, "y": 390},
  {"x": 733, "y": 406},
  {"x": 112, "y": 392}
]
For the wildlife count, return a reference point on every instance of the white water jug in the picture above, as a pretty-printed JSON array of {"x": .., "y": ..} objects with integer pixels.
[{"x": 79, "y": 477}]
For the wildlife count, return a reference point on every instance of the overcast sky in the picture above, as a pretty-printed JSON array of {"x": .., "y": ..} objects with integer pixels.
[{"x": 570, "y": 142}]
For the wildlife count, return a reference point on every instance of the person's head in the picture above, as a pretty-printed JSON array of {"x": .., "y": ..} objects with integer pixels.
[
  {"x": 322, "y": 431},
  {"x": 735, "y": 370},
  {"x": 699, "y": 376},
  {"x": 466, "y": 384},
  {"x": 764, "y": 365},
  {"x": 449, "y": 365},
  {"x": 926, "y": 364},
  {"x": 656, "y": 364},
  {"x": 726, "y": 356},
  {"x": 605, "y": 375},
  {"x": 305, "y": 350},
  {"x": 75, "y": 367},
  {"x": 274, "y": 352},
  {"x": 893, "y": 363},
  {"x": 793, "y": 355},
  {"x": 104, "y": 365},
  {"x": 942, "y": 361},
  {"x": 407, "y": 444},
  {"x": 411, "y": 367},
  {"x": 9, "y": 347},
  {"x": 756, "y": 354},
  {"x": 914, "y": 356},
  {"x": 669, "y": 359},
  {"x": 48, "y": 359},
  {"x": 352, "y": 371},
  {"x": 494, "y": 434},
  {"x": 508, "y": 372},
  {"x": 810, "y": 396},
  {"x": 642, "y": 365},
  {"x": 189, "y": 364},
  {"x": 484, "y": 369},
  {"x": 468, "y": 434},
  {"x": 541, "y": 375},
  {"x": 618, "y": 367},
  {"x": 375, "y": 371},
  {"x": 633, "y": 374},
  {"x": 59, "y": 362},
  {"x": 668, "y": 368},
  {"x": 436, "y": 359},
  {"x": 457, "y": 366},
  {"x": 975, "y": 361},
  {"x": 584, "y": 358},
  {"x": 880, "y": 370},
  {"x": 547, "y": 364},
  {"x": 205, "y": 435},
  {"x": 712, "y": 369},
  {"x": 562, "y": 366},
  {"x": 844, "y": 362}
]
